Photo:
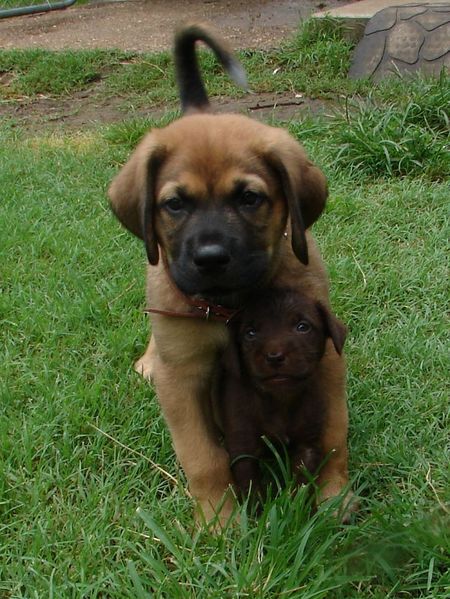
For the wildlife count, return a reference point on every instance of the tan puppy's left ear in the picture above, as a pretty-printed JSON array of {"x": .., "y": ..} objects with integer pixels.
[
  {"x": 334, "y": 328},
  {"x": 132, "y": 192},
  {"x": 304, "y": 186}
]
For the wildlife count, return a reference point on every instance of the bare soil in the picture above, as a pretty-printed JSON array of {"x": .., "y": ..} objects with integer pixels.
[
  {"x": 90, "y": 108},
  {"x": 147, "y": 26}
]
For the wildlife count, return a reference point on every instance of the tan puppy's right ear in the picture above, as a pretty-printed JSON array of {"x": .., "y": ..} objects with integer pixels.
[{"x": 132, "y": 193}]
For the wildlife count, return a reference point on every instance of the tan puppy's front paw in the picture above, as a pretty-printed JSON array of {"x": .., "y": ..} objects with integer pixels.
[
  {"x": 349, "y": 503},
  {"x": 216, "y": 516},
  {"x": 144, "y": 367}
]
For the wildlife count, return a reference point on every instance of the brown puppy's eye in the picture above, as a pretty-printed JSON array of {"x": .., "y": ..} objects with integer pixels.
[
  {"x": 175, "y": 205},
  {"x": 250, "y": 334},
  {"x": 303, "y": 327},
  {"x": 250, "y": 199}
]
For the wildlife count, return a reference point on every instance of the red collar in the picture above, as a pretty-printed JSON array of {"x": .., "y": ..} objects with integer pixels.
[{"x": 202, "y": 309}]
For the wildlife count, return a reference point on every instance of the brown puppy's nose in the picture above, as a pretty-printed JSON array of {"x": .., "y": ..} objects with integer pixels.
[
  {"x": 275, "y": 358},
  {"x": 211, "y": 256}
]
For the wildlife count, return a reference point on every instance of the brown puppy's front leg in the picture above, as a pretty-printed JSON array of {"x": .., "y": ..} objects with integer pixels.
[
  {"x": 305, "y": 462},
  {"x": 240, "y": 408},
  {"x": 247, "y": 475},
  {"x": 243, "y": 442},
  {"x": 183, "y": 392}
]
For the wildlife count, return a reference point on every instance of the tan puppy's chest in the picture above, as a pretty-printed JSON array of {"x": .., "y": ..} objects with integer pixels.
[
  {"x": 190, "y": 344},
  {"x": 195, "y": 344}
]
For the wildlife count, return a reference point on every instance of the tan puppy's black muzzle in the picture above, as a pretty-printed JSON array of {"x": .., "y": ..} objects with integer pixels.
[{"x": 216, "y": 262}]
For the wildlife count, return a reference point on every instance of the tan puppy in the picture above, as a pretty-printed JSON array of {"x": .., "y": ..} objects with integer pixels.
[{"x": 222, "y": 204}]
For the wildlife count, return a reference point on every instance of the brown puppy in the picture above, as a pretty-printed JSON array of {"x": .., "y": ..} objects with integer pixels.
[
  {"x": 271, "y": 384},
  {"x": 222, "y": 204}
]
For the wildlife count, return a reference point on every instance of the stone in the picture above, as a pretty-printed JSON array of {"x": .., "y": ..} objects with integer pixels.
[
  {"x": 406, "y": 42},
  {"x": 437, "y": 44},
  {"x": 404, "y": 39},
  {"x": 432, "y": 19},
  {"x": 372, "y": 54},
  {"x": 411, "y": 11},
  {"x": 383, "y": 20}
]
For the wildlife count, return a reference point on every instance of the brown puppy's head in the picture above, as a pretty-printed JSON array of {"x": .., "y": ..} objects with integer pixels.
[
  {"x": 212, "y": 194},
  {"x": 281, "y": 339}
]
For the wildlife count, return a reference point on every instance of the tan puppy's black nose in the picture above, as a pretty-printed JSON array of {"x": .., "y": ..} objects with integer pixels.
[{"x": 211, "y": 257}]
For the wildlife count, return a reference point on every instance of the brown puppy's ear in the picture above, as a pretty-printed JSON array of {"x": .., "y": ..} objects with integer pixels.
[
  {"x": 334, "y": 328},
  {"x": 132, "y": 191},
  {"x": 303, "y": 184}
]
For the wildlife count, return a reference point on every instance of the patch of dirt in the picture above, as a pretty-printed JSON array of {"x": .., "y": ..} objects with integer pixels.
[
  {"x": 90, "y": 108},
  {"x": 147, "y": 25}
]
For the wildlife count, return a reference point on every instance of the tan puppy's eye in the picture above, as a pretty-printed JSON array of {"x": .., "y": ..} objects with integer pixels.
[
  {"x": 251, "y": 200},
  {"x": 176, "y": 205}
]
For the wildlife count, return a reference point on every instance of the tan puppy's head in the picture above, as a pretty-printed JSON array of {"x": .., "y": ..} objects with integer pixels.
[{"x": 213, "y": 194}]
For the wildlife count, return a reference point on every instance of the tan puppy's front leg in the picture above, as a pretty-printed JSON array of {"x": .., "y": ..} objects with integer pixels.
[
  {"x": 145, "y": 365},
  {"x": 182, "y": 396},
  {"x": 333, "y": 476}
]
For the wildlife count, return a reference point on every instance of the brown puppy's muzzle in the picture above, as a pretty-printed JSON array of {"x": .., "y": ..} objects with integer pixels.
[
  {"x": 295, "y": 361},
  {"x": 275, "y": 358}
]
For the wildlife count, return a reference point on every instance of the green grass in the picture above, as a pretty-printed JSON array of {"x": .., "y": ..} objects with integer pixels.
[
  {"x": 79, "y": 428},
  {"x": 36, "y": 72},
  {"x": 403, "y": 135}
]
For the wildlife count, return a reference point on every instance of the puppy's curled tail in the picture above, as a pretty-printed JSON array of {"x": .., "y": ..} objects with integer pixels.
[{"x": 193, "y": 94}]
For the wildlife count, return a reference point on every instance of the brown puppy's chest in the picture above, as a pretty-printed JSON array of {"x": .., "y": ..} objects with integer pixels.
[{"x": 291, "y": 421}]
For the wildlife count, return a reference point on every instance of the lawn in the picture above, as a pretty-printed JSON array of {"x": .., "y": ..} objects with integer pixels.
[{"x": 88, "y": 500}]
